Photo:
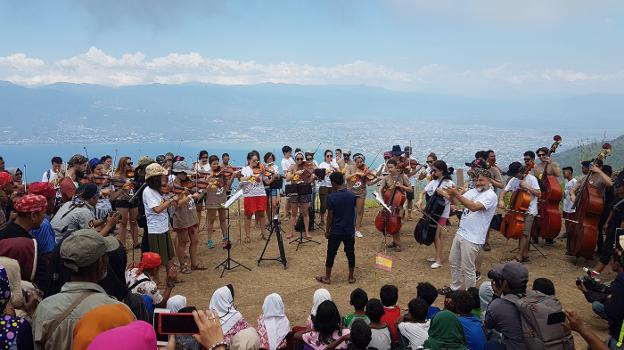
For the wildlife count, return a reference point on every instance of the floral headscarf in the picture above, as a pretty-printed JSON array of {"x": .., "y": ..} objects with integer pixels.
[{"x": 9, "y": 325}]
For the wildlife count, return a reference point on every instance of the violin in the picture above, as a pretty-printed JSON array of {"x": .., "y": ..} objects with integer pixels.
[
  {"x": 512, "y": 225},
  {"x": 100, "y": 179},
  {"x": 389, "y": 222},
  {"x": 589, "y": 204},
  {"x": 130, "y": 174},
  {"x": 548, "y": 222}
]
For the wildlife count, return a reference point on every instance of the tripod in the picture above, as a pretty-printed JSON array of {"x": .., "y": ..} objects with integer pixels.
[
  {"x": 274, "y": 227},
  {"x": 229, "y": 263},
  {"x": 301, "y": 239}
]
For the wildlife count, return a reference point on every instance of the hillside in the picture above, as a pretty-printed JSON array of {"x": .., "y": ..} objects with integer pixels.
[{"x": 573, "y": 157}]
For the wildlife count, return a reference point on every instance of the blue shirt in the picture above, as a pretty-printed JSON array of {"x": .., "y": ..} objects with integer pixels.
[
  {"x": 432, "y": 311},
  {"x": 44, "y": 236},
  {"x": 473, "y": 332},
  {"x": 342, "y": 205}
]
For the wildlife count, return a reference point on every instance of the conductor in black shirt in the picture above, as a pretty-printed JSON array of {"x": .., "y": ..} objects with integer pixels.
[{"x": 340, "y": 226}]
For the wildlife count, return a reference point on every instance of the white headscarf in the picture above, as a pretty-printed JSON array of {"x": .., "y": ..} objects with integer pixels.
[
  {"x": 223, "y": 303},
  {"x": 176, "y": 302},
  {"x": 320, "y": 295},
  {"x": 275, "y": 320}
]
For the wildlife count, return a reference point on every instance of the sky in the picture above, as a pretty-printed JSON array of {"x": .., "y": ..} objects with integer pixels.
[{"x": 479, "y": 47}]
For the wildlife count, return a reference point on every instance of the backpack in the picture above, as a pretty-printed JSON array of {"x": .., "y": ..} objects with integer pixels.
[{"x": 534, "y": 309}]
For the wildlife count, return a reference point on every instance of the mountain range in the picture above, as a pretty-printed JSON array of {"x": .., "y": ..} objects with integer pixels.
[{"x": 573, "y": 157}]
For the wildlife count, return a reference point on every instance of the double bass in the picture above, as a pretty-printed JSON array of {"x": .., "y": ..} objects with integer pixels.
[
  {"x": 548, "y": 222},
  {"x": 389, "y": 222},
  {"x": 589, "y": 204},
  {"x": 512, "y": 225}
]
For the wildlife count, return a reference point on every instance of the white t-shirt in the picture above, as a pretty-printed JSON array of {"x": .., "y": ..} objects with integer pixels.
[
  {"x": 431, "y": 188},
  {"x": 474, "y": 225},
  {"x": 146, "y": 287},
  {"x": 380, "y": 339},
  {"x": 568, "y": 205},
  {"x": 156, "y": 223},
  {"x": 252, "y": 189},
  {"x": 205, "y": 167},
  {"x": 49, "y": 176},
  {"x": 414, "y": 178},
  {"x": 514, "y": 184},
  {"x": 325, "y": 181},
  {"x": 416, "y": 333},
  {"x": 286, "y": 163}
]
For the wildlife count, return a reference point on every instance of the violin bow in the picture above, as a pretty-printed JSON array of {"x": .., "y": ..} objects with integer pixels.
[
  {"x": 112, "y": 169},
  {"x": 24, "y": 180},
  {"x": 85, "y": 151}
]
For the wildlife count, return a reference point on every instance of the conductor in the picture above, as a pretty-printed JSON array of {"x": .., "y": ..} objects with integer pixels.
[{"x": 340, "y": 226}]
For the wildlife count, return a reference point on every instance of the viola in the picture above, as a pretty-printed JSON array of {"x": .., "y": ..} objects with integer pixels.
[
  {"x": 548, "y": 222},
  {"x": 589, "y": 204},
  {"x": 512, "y": 225},
  {"x": 389, "y": 222}
]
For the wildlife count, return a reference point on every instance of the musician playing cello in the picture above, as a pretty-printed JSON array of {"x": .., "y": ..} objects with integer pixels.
[
  {"x": 552, "y": 169},
  {"x": 597, "y": 178},
  {"x": 397, "y": 179},
  {"x": 520, "y": 180}
]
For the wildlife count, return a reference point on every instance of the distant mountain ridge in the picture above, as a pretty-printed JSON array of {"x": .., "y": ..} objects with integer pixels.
[
  {"x": 177, "y": 111},
  {"x": 573, "y": 157}
]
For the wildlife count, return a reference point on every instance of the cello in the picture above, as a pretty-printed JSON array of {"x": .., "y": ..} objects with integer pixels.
[
  {"x": 548, "y": 222},
  {"x": 512, "y": 225},
  {"x": 427, "y": 227},
  {"x": 389, "y": 222},
  {"x": 589, "y": 204}
]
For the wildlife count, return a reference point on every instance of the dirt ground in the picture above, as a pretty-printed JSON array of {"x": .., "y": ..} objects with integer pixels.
[{"x": 296, "y": 283}]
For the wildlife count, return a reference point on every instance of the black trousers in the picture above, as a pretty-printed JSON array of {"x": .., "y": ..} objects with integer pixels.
[{"x": 333, "y": 243}]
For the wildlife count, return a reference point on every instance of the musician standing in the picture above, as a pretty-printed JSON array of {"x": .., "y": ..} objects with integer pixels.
[
  {"x": 597, "y": 178},
  {"x": 299, "y": 174},
  {"x": 255, "y": 199},
  {"x": 394, "y": 179},
  {"x": 286, "y": 163},
  {"x": 497, "y": 183},
  {"x": 552, "y": 169},
  {"x": 356, "y": 182},
  {"x": 76, "y": 168},
  {"x": 201, "y": 167},
  {"x": 411, "y": 173},
  {"x": 568, "y": 204},
  {"x": 521, "y": 182},
  {"x": 325, "y": 186}
]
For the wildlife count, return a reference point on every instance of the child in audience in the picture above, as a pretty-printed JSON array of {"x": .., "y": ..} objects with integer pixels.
[
  {"x": 359, "y": 298},
  {"x": 327, "y": 328},
  {"x": 389, "y": 295},
  {"x": 428, "y": 293},
  {"x": 380, "y": 332},
  {"x": 476, "y": 302},
  {"x": 360, "y": 335},
  {"x": 414, "y": 327},
  {"x": 473, "y": 331}
]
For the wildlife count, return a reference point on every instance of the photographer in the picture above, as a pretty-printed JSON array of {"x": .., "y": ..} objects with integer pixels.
[{"x": 502, "y": 315}]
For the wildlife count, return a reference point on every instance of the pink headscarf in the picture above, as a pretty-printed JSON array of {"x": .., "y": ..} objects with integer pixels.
[{"x": 138, "y": 335}]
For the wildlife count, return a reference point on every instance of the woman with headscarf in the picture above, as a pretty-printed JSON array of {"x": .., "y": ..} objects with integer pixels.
[
  {"x": 273, "y": 325},
  {"x": 232, "y": 321},
  {"x": 176, "y": 302},
  {"x": 320, "y": 295},
  {"x": 98, "y": 320},
  {"x": 327, "y": 329},
  {"x": 445, "y": 332},
  {"x": 15, "y": 332}
]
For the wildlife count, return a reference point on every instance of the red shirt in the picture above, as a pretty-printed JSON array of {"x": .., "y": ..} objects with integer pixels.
[
  {"x": 68, "y": 189},
  {"x": 391, "y": 315}
]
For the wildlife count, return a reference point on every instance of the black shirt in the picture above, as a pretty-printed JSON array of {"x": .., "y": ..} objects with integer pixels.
[
  {"x": 13, "y": 230},
  {"x": 342, "y": 205}
]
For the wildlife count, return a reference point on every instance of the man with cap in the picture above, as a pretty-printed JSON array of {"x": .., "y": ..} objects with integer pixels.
[
  {"x": 84, "y": 254},
  {"x": 503, "y": 315},
  {"x": 44, "y": 234},
  {"x": 479, "y": 208},
  {"x": 76, "y": 168},
  {"x": 31, "y": 210},
  {"x": 79, "y": 213},
  {"x": 521, "y": 182},
  {"x": 345, "y": 161}
]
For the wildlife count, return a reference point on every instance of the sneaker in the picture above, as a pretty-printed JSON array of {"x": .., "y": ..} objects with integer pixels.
[
  {"x": 431, "y": 260},
  {"x": 210, "y": 244},
  {"x": 487, "y": 247},
  {"x": 478, "y": 276},
  {"x": 358, "y": 234},
  {"x": 444, "y": 291},
  {"x": 436, "y": 265},
  {"x": 591, "y": 273}
]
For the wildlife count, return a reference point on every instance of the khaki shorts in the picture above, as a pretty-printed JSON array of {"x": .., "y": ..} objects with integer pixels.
[{"x": 528, "y": 224}]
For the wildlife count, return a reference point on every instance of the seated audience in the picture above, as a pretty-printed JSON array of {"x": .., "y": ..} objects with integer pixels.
[
  {"x": 445, "y": 332},
  {"x": 380, "y": 332},
  {"x": 429, "y": 293},
  {"x": 389, "y": 296},
  {"x": 414, "y": 328},
  {"x": 358, "y": 300},
  {"x": 232, "y": 321},
  {"x": 273, "y": 325}
]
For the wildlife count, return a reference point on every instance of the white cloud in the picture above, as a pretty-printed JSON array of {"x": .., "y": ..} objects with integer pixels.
[{"x": 97, "y": 67}]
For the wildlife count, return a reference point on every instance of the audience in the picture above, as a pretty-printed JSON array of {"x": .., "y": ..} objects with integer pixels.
[
  {"x": 138, "y": 335},
  {"x": 15, "y": 332},
  {"x": 360, "y": 336},
  {"x": 358, "y": 300},
  {"x": 544, "y": 285},
  {"x": 139, "y": 280},
  {"x": 273, "y": 325},
  {"x": 389, "y": 296},
  {"x": 380, "y": 332},
  {"x": 232, "y": 321},
  {"x": 429, "y": 293},
  {"x": 176, "y": 303},
  {"x": 98, "y": 320},
  {"x": 326, "y": 328},
  {"x": 445, "y": 332},
  {"x": 414, "y": 329},
  {"x": 473, "y": 331},
  {"x": 320, "y": 295}
]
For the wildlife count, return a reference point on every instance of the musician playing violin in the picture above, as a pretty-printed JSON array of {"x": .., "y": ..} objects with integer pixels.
[
  {"x": 302, "y": 172},
  {"x": 400, "y": 181},
  {"x": 101, "y": 180},
  {"x": 325, "y": 187},
  {"x": 201, "y": 168},
  {"x": 521, "y": 182},
  {"x": 124, "y": 189},
  {"x": 185, "y": 220},
  {"x": 357, "y": 176},
  {"x": 273, "y": 171},
  {"x": 76, "y": 169},
  {"x": 411, "y": 169},
  {"x": 255, "y": 199}
]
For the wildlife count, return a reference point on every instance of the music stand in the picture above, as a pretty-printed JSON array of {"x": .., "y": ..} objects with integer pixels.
[
  {"x": 229, "y": 263},
  {"x": 293, "y": 190},
  {"x": 274, "y": 227}
]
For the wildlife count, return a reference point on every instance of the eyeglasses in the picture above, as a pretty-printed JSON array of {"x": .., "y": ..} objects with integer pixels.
[
  {"x": 429, "y": 161},
  {"x": 328, "y": 156},
  {"x": 541, "y": 155},
  {"x": 298, "y": 158},
  {"x": 129, "y": 163}
]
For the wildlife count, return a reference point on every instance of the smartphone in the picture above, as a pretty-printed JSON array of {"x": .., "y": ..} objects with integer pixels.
[
  {"x": 556, "y": 318},
  {"x": 161, "y": 339},
  {"x": 177, "y": 323}
]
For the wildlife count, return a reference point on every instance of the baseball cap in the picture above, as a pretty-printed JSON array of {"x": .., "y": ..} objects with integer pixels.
[
  {"x": 516, "y": 274},
  {"x": 514, "y": 169},
  {"x": 84, "y": 247}
]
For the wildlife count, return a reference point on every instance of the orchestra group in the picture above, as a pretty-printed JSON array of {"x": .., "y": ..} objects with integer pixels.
[{"x": 534, "y": 197}]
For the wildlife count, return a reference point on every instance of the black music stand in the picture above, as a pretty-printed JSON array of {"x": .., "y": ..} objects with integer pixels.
[
  {"x": 300, "y": 190},
  {"x": 229, "y": 263},
  {"x": 274, "y": 227}
]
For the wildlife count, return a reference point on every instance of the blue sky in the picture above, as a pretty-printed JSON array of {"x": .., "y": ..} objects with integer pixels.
[{"x": 477, "y": 47}]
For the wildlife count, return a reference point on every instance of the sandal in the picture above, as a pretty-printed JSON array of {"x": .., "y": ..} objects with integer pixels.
[
  {"x": 198, "y": 268},
  {"x": 392, "y": 245},
  {"x": 352, "y": 280},
  {"x": 322, "y": 279},
  {"x": 185, "y": 269}
]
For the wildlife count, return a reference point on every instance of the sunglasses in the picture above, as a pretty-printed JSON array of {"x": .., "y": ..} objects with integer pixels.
[
  {"x": 298, "y": 158},
  {"x": 541, "y": 155},
  {"x": 429, "y": 161},
  {"x": 129, "y": 163},
  {"x": 328, "y": 156}
]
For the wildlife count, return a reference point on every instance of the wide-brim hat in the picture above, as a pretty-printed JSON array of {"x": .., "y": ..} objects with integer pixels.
[
  {"x": 514, "y": 169},
  {"x": 396, "y": 150},
  {"x": 181, "y": 167},
  {"x": 155, "y": 169}
]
